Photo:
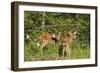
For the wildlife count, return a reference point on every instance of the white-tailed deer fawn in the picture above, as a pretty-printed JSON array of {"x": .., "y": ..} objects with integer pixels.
[
  {"x": 66, "y": 43},
  {"x": 46, "y": 38}
]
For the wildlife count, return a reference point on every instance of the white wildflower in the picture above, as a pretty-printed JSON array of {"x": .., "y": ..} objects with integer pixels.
[
  {"x": 37, "y": 44},
  {"x": 27, "y": 36}
]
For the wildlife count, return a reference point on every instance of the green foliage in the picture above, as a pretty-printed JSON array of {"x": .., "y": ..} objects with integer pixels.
[{"x": 54, "y": 22}]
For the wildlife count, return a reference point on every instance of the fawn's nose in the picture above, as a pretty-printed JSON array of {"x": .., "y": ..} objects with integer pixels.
[{"x": 74, "y": 37}]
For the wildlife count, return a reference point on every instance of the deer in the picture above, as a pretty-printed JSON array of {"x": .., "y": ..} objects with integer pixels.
[
  {"x": 67, "y": 42},
  {"x": 46, "y": 38}
]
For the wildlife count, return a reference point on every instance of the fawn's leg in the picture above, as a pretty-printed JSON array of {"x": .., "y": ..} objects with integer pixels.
[
  {"x": 68, "y": 52},
  {"x": 64, "y": 50},
  {"x": 53, "y": 44},
  {"x": 41, "y": 47}
]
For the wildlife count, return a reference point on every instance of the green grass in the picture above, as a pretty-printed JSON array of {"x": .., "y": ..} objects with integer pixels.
[{"x": 32, "y": 52}]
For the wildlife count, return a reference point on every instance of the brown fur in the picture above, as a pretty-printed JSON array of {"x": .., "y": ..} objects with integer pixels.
[
  {"x": 66, "y": 43},
  {"x": 46, "y": 38}
]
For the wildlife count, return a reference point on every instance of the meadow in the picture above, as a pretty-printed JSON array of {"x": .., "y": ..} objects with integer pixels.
[{"x": 32, "y": 52}]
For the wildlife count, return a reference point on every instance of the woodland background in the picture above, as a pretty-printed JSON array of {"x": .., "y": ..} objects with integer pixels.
[{"x": 53, "y": 22}]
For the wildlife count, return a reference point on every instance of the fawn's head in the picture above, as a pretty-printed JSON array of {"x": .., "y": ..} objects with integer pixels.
[
  {"x": 58, "y": 37},
  {"x": 73, "y": 35}
]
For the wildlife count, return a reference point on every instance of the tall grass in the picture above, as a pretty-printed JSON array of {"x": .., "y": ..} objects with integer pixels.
[{"x": 50, "y": 52}]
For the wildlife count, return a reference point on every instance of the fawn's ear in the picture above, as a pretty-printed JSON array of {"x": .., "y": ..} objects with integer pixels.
[
  {"x": 75, "y": 32},
  {"x": 70, "y": 33},
  {"x": 59, "y": 33}
]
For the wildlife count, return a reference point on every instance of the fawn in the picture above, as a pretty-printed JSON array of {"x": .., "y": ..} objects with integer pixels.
[
  {"x": 66, "y": 43},
  {"x": 46, "y": 38}
]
